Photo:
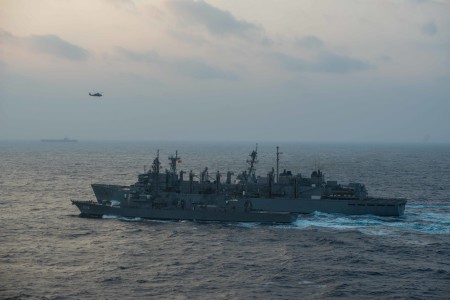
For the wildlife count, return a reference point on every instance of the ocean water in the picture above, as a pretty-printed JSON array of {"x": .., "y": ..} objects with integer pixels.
[{"x": 48, "y": 252}]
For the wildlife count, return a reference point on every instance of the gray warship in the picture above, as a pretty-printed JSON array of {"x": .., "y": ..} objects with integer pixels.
[
  {"x": 159, "y": 197},
  {"x": 276, "y": 192}
]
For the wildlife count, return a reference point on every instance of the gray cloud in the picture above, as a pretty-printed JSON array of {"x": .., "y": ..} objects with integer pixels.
[
  {"x": 384, "y": 58},
  {"x": 150, "y": 56},
  {"x": 418, "y": 1},
  {"x": 429, "y": 28},
  {"x": 124, "y": 4},
  {"x": 199, "y": 70},
  {"x": 310, "y": 42},
  {"x": 188, "y": 67},
  {"x": 217, "y": 21},
  {"x": 47, "y": 44},
  {"x": 54, "y": 45},
  {"x": 6, "y": 37},
  {"x": 325, "y": 63}
]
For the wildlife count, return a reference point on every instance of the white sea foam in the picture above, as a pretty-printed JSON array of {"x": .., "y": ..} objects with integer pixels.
[
  {"x": 110, "y": 217},
  {"x": 135, "y": 219},
  {"x": 122, "y": 218},
  {"x": 247, "y": 224},
  {"x": 426, "y": 222}
]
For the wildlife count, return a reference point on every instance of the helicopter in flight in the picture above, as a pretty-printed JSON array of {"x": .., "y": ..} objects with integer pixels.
[{"x": 95, "y": 94}]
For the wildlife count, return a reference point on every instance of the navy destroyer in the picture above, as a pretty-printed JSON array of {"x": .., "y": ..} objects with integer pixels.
[
  {"x": 276, "y": 192},
  {"x": 160, "y": 197}
]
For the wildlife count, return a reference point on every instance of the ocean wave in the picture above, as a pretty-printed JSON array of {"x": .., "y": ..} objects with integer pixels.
[
  {"x": 125, "y": 219},
  {"x": 429, "y": 206},
  {"x": 425, "y": 222}
]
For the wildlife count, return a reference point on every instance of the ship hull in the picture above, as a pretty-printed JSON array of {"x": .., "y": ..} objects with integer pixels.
[
  {"x": 375, "y": 206},
  {"x": 93, "y": 209},
  {"x": 371, "y": 206}
]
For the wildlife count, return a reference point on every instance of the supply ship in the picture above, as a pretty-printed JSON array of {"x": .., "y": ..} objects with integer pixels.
[
  {"x": 160, "y": 197},
  {"x": 275, "y": 192}
]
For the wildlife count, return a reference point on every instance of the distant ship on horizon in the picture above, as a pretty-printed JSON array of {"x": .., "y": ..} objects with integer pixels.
[{"x": 64, "y": 140}]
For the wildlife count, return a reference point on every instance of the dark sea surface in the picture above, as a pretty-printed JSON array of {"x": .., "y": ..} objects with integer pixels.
[{"x": 48, "y": 252}]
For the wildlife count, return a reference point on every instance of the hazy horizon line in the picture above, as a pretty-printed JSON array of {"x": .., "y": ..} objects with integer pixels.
[{"x": 238, "y": 141}]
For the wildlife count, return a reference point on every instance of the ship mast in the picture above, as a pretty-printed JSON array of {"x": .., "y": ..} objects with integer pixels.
[
  {"x": 155, "y": 168},
  {"x": 278, "y": 162},
  {"x": 173, "y": 162},
  {"x": 252, "y": 161}
]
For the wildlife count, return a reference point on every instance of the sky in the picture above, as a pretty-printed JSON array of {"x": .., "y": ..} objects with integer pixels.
[{"x": 226, "y": 70}]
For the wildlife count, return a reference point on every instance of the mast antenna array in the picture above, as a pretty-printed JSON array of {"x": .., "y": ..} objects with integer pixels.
[{"x": 278, "y": 162}]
